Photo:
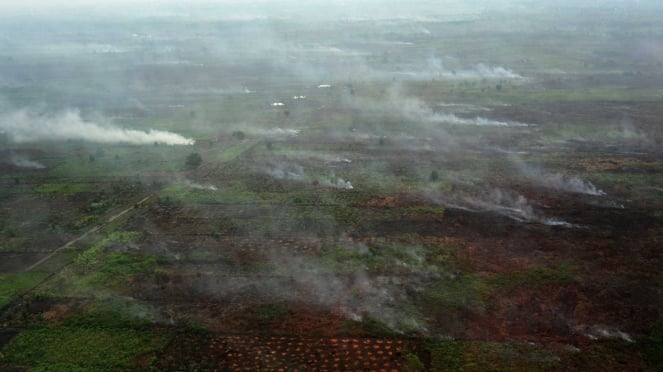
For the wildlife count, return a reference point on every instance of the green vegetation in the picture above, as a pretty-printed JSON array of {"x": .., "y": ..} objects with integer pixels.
[
  {"x": 466, "y": 291},
  {"x": 651, "y": 347},
  {"x": 419, "y": 115},
  {"x": 536, "y": 277},
  {"x": 413, "y": 364},
  {"x": 63, "y": 188},
  {"x": 369, "y": 327},
  {"x": 383, "y": 257},
  {"x": 91, "y": 256},
  {"x": 426, "y": 209},
  {"x": 12, "y": 285},
  {"x": 109, "y": 271},
  {"x": 107, "y": 316},
  {"x": 85, "y": 220},
  {"x": 10, "y": 241},
  {"x": 193, "y": 160},
  {"x": 447, "y": 355},
  {"x": 83, "y": 348},
  {"x": 607, "y": 355},
  {"x": 271, "y": 312},
  {"x": 489, "y": 356}
]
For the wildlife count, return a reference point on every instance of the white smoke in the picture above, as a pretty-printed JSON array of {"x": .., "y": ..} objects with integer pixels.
[
  {"x": 292, "y": 172},
  {"x": 336, "y": 182},
  {"x": 295, "y": 172},
  {"x": 514, "y": 206},
  {"x": 436, "y": 69},
  {"x": 198, "y": 186},
  {"x": 274, "y": 133},
  {"x": 416, "y": 109},
  {"x": 596, "y": 332},
  {"x": 23, "y": 162},
  {"x": 318, "y": 156},
  {"x": 478, "y": 121},
  {"x": 571, "y": 184},
  {"x": 556, "y": 181},
  {"x": 495, "y": 72},
  {"x": 22, "y": 126},
  {"x": 301, "y": 278}
]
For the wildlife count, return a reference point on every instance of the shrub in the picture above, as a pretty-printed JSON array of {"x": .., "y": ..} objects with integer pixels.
[{"x": 193, "y": 160}]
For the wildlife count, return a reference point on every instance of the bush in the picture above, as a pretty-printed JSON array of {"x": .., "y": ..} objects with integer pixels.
[
  {"x": 194, "y": 160},
  {"x": 413, "y": 363},
  {"x": 239, "y": 135}
]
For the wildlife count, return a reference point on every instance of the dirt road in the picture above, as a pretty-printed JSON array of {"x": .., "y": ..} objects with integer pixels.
[{"x": 90, "y": 231}]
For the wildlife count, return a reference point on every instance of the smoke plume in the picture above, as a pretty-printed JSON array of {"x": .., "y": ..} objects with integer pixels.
[
  {"x": 23, "y": 162},
  {"x": 22, "y": 126},
  {"x": 572, "y": 184},
  {"x": 415, "y": 109},
  {"x": 514, "y": 206},
  {"x": 435, "y": 69}
]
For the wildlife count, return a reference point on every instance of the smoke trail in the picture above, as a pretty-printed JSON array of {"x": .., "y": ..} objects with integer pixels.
[
  {"x": 295, "y": 172},
  {"x": 516, "y": 207},
  {"x": 335, "y": 182},
  {"x": 197, "y": 186},
  {"x": 495, "y": 72},
  {"x": 598, "y": 331},
  {"x": 22, "y": 162},
  {"x": 416, "y": 109},
  {"x": 273, "y": 133},
  {"x": 435, "y": 69},
  {"x": 572, "y": 184},
  {"x": 292, "y": 172},
  {"x": 22, "y": 126},
  {"x": 478, "y": 121}
]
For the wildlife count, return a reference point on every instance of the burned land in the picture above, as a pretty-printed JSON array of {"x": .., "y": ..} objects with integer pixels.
[{"x": 433, "y": 189}]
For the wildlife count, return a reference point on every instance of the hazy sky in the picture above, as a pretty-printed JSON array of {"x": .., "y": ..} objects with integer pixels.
[
  {"x": 232, "y": 8},
  {"x": 365, "y": 8}
]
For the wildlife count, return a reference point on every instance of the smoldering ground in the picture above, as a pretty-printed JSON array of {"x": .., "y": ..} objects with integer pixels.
[{"x": 363, "y": 124}]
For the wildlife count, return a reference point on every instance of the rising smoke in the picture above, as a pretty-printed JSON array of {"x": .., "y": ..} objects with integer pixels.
[
  {"x": 571, "y": 184},
  {"x": 295, "y": 172},
  {"x": 412, "y": 108},
  {"x": 24, "y": 126},
  {"x": 435, "y": 69},
  {"x": 197, "y": 186},
  {"x": 509, "y": 204},
  {"x": 23, "y": 162}
]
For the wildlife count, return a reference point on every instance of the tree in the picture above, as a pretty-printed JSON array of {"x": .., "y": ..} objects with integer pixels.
[
  {"x": 238, "y": 134},
  {"x": 193, "y": 160}
]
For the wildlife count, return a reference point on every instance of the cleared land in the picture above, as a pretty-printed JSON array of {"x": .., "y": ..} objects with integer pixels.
[{"x": 361, "y": 195}]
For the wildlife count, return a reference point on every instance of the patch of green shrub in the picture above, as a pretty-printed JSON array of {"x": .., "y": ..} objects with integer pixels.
[
  {"x": 12, "y": 285},
  {"x": 64, "y": 348}
]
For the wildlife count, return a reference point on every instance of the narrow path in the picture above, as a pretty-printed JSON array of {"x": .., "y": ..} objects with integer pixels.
[{"x": 92, "y": 230}]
